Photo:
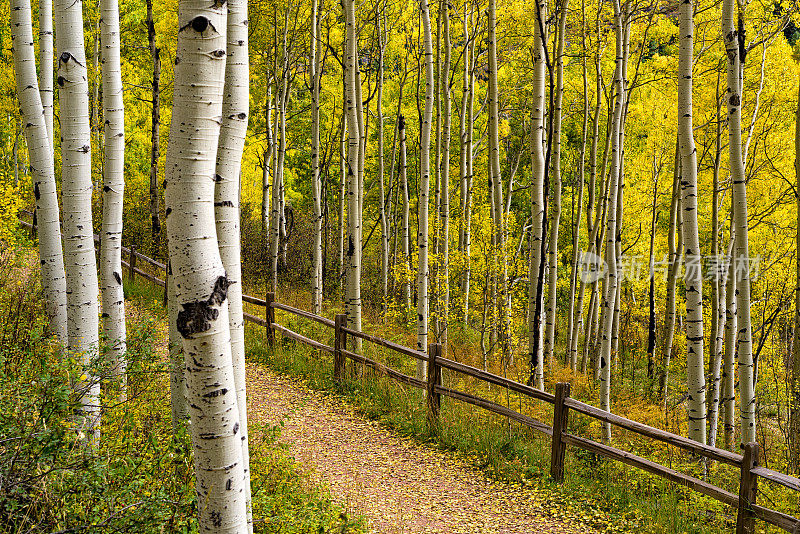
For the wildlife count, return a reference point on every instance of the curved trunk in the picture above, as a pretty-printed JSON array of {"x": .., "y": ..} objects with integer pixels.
[
  {"x": 113, "y": 190},
  {"x": 199, "y": 274},
  {"x": 76, "y": 194},
  {"x": 41, "y": 161}
]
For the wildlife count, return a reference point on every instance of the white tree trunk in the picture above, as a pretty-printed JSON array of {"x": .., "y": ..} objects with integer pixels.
[
  {"x": 316, "y": 178},
  {"x": 235, "y": 114},
  {"x": 46, "y": 65},
  {"x": 695, "y": 369},
  {"x": 406, "y": 228},
  {"x": 734, "y": 41},
  {"x": 610, "y": 298},
  {"x": 199, "y": 275},
  {"x": 424, "y": 185},
  {"x": 555, "y": 209},
  {"x": 41, "y": 161},
  {"x": 76, "y": 194},
  {"x": 113, "y": 190},
  {"x": 353, "y": 246},
  {"x": 177, "y": 373},
  {"x": 444, "y": 205},
  {"x": 537, "y": 196}
]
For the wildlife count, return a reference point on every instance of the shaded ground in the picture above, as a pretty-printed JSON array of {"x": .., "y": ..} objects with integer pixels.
[{"x": 399, "y": 485}]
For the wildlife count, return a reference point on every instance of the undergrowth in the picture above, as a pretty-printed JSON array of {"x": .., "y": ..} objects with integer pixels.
[
  {"x": 138, "y": 477},
  {"x": 602, "y": 494}
]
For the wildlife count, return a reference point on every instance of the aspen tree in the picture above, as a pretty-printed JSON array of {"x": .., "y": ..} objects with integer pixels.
[
  {"x": 499, "y": 265},
  {"x": 155, "y": 129},
  {"x": 717, "y": 288},
  {"x": 113, "y": 190},
  {"x": 76, "y": 194},
  {"x": 733, "y": 39},
  {"x": 51, "y": 259},
  {"x": 537, "y": 196},
  {"x": 316, "y": 177},
  {"x": 468, "y": 103},
  {"x": 610, "y": 297},
  {"x": 233, "y": 128},
  {"x": 555, "y": 214},
  {"x": 425, "y": 165},
  {"x": 267, "y": 169},
  {"x": 381, "y": 164},
  {"x": 728, "y": 397},
  {"x": 199, "y": 276},
  {"x": 695, "y": 369},
  {"x": 353, "y": 246},
  {"x": 444, "y": 205},
  {"x": 673, "y": 269},
  {"x": 46, "y": 66},
  {"x": 574, "y": 315},
  {"x": 406, "y": 228}
]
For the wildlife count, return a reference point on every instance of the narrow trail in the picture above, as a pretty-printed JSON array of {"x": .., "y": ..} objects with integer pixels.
[{"x": 399, "y": 485}]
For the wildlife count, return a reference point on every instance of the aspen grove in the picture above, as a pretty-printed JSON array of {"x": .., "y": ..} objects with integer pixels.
[{"x": 601, "y": 193}]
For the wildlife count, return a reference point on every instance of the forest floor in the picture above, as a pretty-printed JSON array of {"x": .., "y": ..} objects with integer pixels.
[{"x": 397, "y": 484}]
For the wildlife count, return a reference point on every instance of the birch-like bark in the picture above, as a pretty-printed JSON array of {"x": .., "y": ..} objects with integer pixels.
[
  {"x": 467, "y": 147},
  {"x": 733, "y": 38},
  {"x": 177, "y": 372},
  {"x": 316, "y": 177},
  {"x": 717, "y": 289},
  {"x": 406, "y": 227},
  {"x": 266, "y": 176},
  {"x": 610, "y": 298},
  {"x": 575, "y": 314},
  {"x": 113, "y": 190},
  {"x": 537, "y": 197},
  {"x": 444, "y": 174},
  {"x": 155, "y": 129},
  {"x": 555, "y": 208},
  {"x": 425, "y": 169},
  {"x": 76, "y": 195},
  {"x": 235, "y": 115},
  {"x": 353, "y": 253},
  {"x": 693, "y": 276},
  {"x": 499, "y": 260},
  {"x": 46, "y": 65},
  {"x": 40, "y": 153},
  {"x": 199, "y": 275},
  {"x": 728, "y": 399}
]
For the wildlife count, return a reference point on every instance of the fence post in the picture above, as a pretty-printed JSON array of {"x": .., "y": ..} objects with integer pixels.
[
  {"x": 339, "y": 343},
  {"x": 434, "y": 379},
  {"x": 560, "y": 419},
  {"x": 270, "y": 316},
  {"x": 748, "y": 489},
  {"x": 132, "y": 264}
]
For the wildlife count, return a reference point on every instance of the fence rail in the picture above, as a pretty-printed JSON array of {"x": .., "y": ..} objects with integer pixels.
[{"x": 750, "y": 472}]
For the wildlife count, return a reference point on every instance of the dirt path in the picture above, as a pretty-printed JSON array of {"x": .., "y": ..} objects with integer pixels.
[{"x": 400, "y": 486}]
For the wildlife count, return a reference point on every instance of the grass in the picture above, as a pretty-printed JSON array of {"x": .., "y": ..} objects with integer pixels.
[
  {"x": 606, "y": 495},
  {"x": 139, "y": 477}
]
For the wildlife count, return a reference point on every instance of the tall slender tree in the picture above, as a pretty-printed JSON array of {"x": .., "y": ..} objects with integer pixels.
[
  {"x": 199, "y": 275},
  {"x": 51, "y": 259}
]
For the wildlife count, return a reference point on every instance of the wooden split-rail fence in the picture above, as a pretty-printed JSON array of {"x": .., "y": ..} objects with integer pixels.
[{"x": 563, "y": 405}]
